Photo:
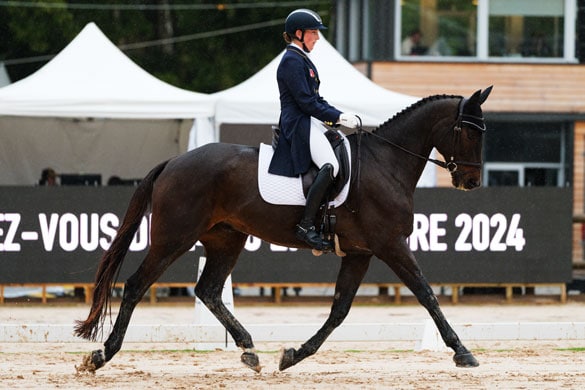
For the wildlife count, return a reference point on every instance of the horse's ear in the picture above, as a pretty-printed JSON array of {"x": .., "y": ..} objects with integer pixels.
[
  {"x": 474, "y": 99},
  {"x": 484, "y": 95}
]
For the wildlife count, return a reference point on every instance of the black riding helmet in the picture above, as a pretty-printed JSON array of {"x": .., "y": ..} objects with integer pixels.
[{"x": 303, "y": 19}]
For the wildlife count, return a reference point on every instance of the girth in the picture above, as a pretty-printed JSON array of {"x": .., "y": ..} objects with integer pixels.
[{"x": 340, "y": 151}]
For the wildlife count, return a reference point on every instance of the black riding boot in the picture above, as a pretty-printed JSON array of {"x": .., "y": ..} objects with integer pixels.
[{"x": 306, "y": 228}]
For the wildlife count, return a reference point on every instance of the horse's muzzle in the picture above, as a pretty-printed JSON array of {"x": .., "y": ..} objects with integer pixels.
[{"x": 466, "y": 181}]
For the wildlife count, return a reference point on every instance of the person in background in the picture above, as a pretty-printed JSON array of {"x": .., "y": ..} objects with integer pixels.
[
  {"x": 115, "y": 181},
  {"x": 302, "y": 110},
  {"x": 48, "y": 177},
  {"x": 412, "y": 45},
  {"x": 536, "y": 46}
]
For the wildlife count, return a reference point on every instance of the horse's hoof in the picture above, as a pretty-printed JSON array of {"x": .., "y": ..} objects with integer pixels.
[
  {"x": 465, "y": 360},
  {"x": 251, "y": 360},
  {"x": 98, "y": 358},
  {"x": 287, "y": 358},
  {"x": 92, "y": 362}
]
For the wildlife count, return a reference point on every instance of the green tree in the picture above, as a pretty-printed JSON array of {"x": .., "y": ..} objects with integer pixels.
[{"x": 199, "y": 52}]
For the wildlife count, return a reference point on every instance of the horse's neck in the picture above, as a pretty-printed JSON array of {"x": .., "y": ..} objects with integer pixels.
[
  {"x": 414, "y": 135},
  {"x": 411, "y": 133}
]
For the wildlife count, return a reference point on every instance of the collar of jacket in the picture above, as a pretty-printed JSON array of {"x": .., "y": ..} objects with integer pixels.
[{"x": 297, "y": 50}]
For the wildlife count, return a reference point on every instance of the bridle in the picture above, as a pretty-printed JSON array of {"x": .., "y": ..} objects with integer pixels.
[{"x": 452, "y": 164}]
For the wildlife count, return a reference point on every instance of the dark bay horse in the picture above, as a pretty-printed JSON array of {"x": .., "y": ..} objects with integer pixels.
[{"x": 210, "y": 194}]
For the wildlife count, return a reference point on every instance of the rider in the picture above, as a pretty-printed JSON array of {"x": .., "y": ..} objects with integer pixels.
[{"x": 302, "y": 140}]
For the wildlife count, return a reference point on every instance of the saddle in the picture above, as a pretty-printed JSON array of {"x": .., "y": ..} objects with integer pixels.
[{"x": 341, "y": 154}]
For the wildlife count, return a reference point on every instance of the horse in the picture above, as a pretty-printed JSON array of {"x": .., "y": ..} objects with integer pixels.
[{"x": 206, "y": 195}]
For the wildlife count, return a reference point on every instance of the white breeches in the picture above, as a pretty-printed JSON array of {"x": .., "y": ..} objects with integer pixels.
[{"x": 321, "y": 150}]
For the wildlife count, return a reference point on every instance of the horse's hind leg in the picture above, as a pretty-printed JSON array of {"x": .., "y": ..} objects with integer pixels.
[
  {"x": 351, "y": 274},
  {"x": 153, "y": 266},
  {"x": 407, "y": 269},
  {"x": 222, "y": 248}
]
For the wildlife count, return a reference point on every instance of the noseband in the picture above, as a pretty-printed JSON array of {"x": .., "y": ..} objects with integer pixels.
[{"x": 452, "y": 165}]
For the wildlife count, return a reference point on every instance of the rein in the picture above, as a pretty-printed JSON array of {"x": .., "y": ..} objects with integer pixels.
[{"x": 440, "y": 163}]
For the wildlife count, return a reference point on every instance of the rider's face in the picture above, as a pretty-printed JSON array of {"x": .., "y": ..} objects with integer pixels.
[{"x": 311, "y": 37}]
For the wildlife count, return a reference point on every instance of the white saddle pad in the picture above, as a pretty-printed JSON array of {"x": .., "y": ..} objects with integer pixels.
[{"x": 283, "y": 190}]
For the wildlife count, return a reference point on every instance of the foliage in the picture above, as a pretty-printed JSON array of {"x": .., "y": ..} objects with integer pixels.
[{"x": 205, "y": 64}]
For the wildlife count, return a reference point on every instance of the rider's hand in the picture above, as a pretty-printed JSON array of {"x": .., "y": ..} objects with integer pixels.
[{"x": 348, "y": 120}]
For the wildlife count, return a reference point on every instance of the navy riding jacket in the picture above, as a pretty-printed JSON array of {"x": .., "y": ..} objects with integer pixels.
[{"x": 298, "y": 83}]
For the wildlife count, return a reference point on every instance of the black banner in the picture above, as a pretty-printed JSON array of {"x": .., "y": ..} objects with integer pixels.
[{"x": 490, "y": 235}]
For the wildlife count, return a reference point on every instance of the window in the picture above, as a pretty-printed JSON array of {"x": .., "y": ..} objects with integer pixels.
[
  {"x": 438, "y": 28},
  {"x": 498, "y": 30},
  {"x": 526, "y": 154},
  {"x": 516, "y": 30}
]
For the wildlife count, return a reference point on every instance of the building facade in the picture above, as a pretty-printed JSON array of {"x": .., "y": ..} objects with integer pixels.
[{"x": 532, "y": 51}]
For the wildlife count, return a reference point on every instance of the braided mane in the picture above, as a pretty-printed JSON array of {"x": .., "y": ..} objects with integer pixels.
[{"x": 414, "y": 106}]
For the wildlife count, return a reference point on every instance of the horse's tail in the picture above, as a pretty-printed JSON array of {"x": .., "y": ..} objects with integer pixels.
[{"x": 113, "y": 258}]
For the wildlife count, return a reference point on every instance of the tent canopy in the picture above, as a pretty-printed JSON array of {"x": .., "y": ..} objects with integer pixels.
[
  {"x": 4, "y": 78},
  {"x": 91, "y": 77},
  {"x": 256, "y": 100},
  {"x": 93, "y": 110}
]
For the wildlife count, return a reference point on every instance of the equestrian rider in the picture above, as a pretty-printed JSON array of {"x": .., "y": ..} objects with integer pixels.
[{"x": 302, "y": 140}]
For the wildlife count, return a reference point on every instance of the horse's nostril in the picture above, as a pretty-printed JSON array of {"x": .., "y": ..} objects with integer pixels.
[{"x": 473, "y": 183}]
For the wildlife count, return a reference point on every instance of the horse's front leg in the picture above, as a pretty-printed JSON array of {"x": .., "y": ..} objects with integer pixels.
[
  {"x": 351, "y": 274},
  {"x": 405, "y": 266}
]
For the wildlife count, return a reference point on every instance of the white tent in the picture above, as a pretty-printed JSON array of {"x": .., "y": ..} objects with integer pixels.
[
  {"x": 256, "y": 100},
  {"x": 93, "y": 110},
  {"x": 4, "y": 78}
]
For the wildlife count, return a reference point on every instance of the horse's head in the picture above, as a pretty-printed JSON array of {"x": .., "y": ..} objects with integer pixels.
[{"x": 462, "y": 148}]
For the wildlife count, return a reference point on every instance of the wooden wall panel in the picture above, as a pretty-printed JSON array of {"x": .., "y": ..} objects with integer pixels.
[
  {"x": 578, "y": 188},
  {"x": 517, "y": 87}
]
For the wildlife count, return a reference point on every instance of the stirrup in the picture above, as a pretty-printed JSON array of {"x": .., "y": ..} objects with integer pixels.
[{"x": 313, "y": 239}]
